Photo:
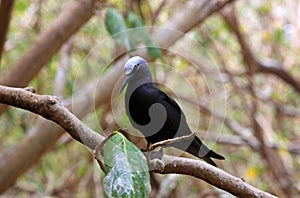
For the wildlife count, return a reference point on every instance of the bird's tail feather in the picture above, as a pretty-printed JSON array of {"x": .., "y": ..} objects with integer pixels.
[
  {"x": 198, "y": 149},
  {"x": 215, "y": 155},
  {"x": 210, "y": 161}
]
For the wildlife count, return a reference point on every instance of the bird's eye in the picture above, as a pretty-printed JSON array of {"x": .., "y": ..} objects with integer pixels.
[{"x": 137, "y": 67}]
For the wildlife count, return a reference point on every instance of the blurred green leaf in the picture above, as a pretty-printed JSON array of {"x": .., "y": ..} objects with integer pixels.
[
  {"x": 126, "y": 169},
  {"x": 141, "y": 35},
  {"x": 21, "y": 6},
  {"x": 264, "y": 8},
  {"x": 154, "y": 52},
  {"x": 116, "y": 26},
  {"x": 279, "y": 34},
  {"x": 133, "y": 20}
]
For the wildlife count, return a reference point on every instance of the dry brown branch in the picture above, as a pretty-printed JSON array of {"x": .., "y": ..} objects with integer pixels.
[
  {"x": 5, "y": 15},
  {"x": 50, "y": 108},
  {"x": 212, "y": 175}
]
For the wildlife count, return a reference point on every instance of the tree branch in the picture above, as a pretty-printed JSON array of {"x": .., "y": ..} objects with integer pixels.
[
  {"x": 42, "y": 137},
  {"x": 212, "y": 175},
  {"x": 277, "y": 70},
  {"x": 5, "y": 15},
  {"x": 50, "y": 108}
]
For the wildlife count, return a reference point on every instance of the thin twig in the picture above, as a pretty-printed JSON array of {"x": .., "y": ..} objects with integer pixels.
[
  {"x": 157, "y": 12},
  {"x": 169, "y": 141}
]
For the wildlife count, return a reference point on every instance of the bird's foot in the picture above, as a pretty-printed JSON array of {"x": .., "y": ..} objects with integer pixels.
[
  {"x": 156, "y": 165},
  {"x": 150, "y": 154},
  {"x": 156, "y": 154},
  {"x": 155, "y": 160}
]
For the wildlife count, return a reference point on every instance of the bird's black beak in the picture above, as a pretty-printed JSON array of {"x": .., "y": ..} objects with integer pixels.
[{"x": 124, "y": 83}]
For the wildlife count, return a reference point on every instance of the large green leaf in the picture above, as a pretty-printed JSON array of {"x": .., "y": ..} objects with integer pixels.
[
  {"x": 126, "y": 169},
  {"x": 116, "y": 26}
]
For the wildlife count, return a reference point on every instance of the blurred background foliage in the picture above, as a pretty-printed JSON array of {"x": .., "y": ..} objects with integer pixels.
[{"x": 271, "y": 29}]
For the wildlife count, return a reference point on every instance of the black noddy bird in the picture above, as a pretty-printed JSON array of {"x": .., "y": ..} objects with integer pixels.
[{"x": 156, "y": 115}]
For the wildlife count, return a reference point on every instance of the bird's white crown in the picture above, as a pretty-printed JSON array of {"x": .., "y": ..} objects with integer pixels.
[{"x": 133, "y": 62}]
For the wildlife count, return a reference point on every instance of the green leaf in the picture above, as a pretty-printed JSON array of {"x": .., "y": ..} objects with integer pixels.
[
  {"x": 279, "y": 35},
  {"x": 154, "y": 52},
  {"x": 126, "y": 169},
  {"x": 141, "y": 35},
  {"x": 133, "y": 20},
  {"x": 116, "y": 26}
]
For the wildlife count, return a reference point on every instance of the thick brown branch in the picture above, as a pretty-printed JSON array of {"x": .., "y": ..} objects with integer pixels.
[
  {"x": 212, "y": 175},
  {"x": 50, "y": 108},
  {"x": 45, "y": 133}
]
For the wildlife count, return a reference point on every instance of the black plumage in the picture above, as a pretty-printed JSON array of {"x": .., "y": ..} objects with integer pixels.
[{"x": 156, "y": 115}]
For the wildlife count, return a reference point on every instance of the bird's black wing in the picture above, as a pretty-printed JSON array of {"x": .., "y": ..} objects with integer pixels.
[
  {"x": 169, "y": 100},
  {"x": 176, "y": 120}
]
